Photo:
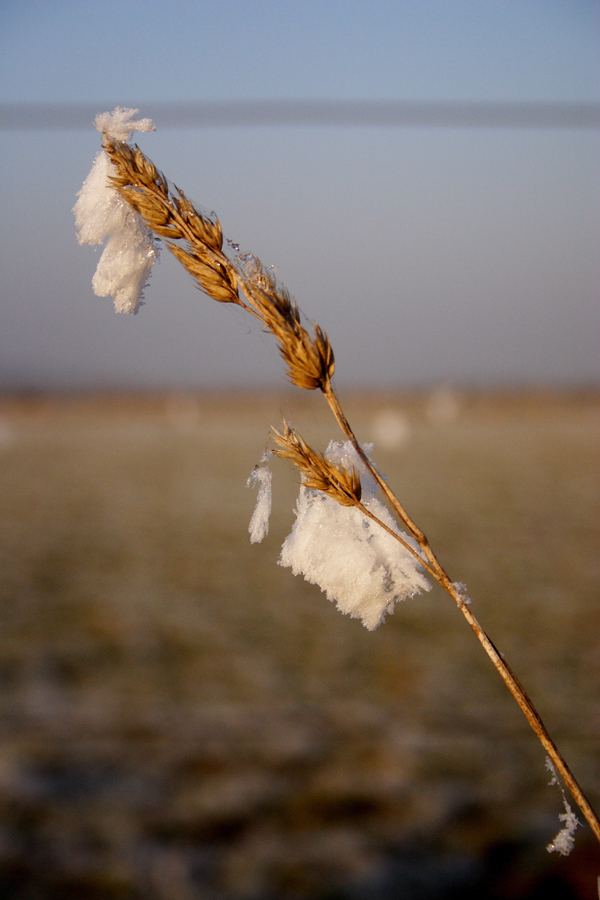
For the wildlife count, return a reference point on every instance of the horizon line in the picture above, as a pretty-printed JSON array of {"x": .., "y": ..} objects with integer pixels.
[{"x": 32, "y": 116}]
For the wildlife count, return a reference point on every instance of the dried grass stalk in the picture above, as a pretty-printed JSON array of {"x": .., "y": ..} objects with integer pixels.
[{"x": 310, "y": 364}]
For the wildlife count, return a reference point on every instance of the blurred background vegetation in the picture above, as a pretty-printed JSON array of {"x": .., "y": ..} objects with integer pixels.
[{"x": 182, "y": 718}]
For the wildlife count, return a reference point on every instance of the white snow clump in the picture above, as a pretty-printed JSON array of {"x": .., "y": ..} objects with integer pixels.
[
  {"x": 564, "y": 841},
  {"x": 120, "y": 124},
  {"x": 100, "y": 213},
  {"x": 259, "y": 523},
  {"x": 358, "y": 565}
]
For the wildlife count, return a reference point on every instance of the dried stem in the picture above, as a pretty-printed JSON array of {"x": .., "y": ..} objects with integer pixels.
[
  {"x": 529, "y": 710},
  {"x": 437, "y": 571},
  {"x": 310, "y": 363}
]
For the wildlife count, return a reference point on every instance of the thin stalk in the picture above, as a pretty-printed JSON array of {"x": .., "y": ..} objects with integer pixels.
[
  {"x": 437, "y": 571},
  {"x": 529, "y": 710},
  {"x": 344, "y": 424},
  {"x": 310, "y": 363}
]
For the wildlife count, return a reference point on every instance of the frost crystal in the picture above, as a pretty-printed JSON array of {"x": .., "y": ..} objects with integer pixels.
[
  {"x": 124, "y": 267},
  {"x": 564, "y": 841},
  {"x": 360, "y": 567},
  {"x": 259, "y": 523},
  {"x": 461, "y": 590},
  {"x": 120, "y": 124}
]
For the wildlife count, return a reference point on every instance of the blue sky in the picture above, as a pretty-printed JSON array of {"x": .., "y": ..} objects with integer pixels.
[{"x": 462, "y": 256}]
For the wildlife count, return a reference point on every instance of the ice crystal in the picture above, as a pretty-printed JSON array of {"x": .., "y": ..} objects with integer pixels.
[
  {"x": 361, "y": 568},
  {"x": 100, "y": 214}
]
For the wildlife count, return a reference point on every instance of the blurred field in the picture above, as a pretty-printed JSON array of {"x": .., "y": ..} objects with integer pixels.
[{"x": 182, "y": 718}]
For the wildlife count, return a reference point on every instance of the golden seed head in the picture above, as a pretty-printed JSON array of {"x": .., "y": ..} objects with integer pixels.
[
  {"x": 310, "y": 360},
  {"x": 318, "y": 473}
]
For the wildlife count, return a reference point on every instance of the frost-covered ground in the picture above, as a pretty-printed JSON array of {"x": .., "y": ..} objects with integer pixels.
[{"x": 182, "y": 718}]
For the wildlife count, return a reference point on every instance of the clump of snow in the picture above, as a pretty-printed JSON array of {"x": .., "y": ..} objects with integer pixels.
[
  {"x": 564, "y": 841},
  {"x": 259, "y": 523},
  {"x": 461, "y": 590},
  {"x": 120, "y": 124},
  {"x": 359, "y": 566},
  {"x": 124, "y": 267}
]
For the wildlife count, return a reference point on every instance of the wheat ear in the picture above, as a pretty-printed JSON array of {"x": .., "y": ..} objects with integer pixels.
[
  {"x": 310, "y": 360},
  {"x": 310, "y": 364}
]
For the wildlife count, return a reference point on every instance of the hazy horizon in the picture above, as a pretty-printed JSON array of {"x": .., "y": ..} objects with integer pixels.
[{"x": 438, "y": 255}]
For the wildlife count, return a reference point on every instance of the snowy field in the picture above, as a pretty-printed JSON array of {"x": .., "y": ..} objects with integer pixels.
[{"x": 183, "y": 718}]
